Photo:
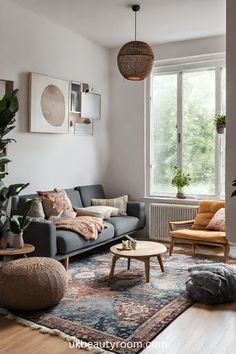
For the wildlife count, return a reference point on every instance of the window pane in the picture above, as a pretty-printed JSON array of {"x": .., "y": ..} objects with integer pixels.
[
  {"x": 222, "y": 137},
  {"x": 223, "y": 91},
  {"x": 199, "y": 131},
  {"x": 164, "y": 132}
]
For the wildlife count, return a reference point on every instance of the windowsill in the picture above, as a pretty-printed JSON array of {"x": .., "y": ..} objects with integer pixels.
[
  {"x": 189, "y": 200},
  {"x": 172, "y": 200}
]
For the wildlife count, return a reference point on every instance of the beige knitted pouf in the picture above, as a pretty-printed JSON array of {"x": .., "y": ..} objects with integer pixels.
[{"x": 32, "y": 283}]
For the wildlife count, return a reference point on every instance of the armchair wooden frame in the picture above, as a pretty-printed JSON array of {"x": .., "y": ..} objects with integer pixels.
[{"x": 173, "y": 224}]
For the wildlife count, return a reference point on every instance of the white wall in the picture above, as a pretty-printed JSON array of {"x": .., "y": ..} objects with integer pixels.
[
  {"x": 231, "y": 122},
  {"x": 32, "y": 43},
  {"x": 127, "y": 135}
]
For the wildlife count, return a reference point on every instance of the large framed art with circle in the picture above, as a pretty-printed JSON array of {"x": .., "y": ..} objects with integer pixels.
[{"x": 49, "y": 101}]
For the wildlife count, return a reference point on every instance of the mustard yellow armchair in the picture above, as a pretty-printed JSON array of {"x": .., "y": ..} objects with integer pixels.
[{"x": 198, "y": 233}]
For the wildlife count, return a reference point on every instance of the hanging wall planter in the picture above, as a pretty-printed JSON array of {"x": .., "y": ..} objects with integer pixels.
[
  {"x": 220, "y": 128},
  {"x": 220, "y": 120}
]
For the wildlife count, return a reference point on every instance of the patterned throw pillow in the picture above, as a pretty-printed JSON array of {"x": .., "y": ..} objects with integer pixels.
[
  {"x": 69, "y": 211},
  {"x": 104, "y": 212},
  {"x": 120, "y": 203},
  {"x": 217, "y": 223},
  {"x": 53, "y": 203}
]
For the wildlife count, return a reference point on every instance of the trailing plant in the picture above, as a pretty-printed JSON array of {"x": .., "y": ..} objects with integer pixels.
[
  {"x": 8, "y": 109},
  {"x": 219, "y": 119},
  {"x": 180, "y": 180}
]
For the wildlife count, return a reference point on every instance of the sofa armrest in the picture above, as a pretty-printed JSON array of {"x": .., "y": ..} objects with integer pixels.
[
  {"x": 174, "y": 224},
  {"x": 137, "y": 209},
  {"x": 43, "y": 236}
]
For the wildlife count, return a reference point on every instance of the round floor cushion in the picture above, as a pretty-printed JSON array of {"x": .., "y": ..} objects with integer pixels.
[{"x": 32, "y": 283}]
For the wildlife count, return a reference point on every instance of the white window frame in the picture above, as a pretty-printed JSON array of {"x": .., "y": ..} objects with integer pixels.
[{"x": 177, "y": 66}]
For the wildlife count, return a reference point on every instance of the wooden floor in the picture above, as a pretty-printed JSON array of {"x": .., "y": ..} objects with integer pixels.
[{"x": 201, "y": 329}]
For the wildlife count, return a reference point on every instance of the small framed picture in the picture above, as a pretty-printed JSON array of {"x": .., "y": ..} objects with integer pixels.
[
  {"x": 84, "y": 126},
  {"x": 75, "y": 104},
  {"x": 90, "y": 105}
]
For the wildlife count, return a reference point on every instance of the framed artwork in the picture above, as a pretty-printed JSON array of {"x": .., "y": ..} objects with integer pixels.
[
  {"x": 84, "y": 127},
  {"x": 49, "y": 104},
  {"x": 90, "y": 105},
  {"x": 75, "y": 97},
  {"x": 5, "y": 87}
]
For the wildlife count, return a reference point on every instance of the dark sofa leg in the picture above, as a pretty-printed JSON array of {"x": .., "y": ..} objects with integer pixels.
[{"x": 65, "y": 262}]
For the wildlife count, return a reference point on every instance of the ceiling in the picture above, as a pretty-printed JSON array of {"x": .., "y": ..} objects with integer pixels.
[{"x": 111, "y": 22}]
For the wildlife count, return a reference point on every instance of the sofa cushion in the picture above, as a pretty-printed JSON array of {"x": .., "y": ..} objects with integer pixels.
[
  {"x": 124, "y": 224},
  {"x": 104, "y": 212},
  {"x": 207, "y": 209},
  {"x": 74, "y": 197},
  {"x": 87, "y": 193},
  {"x": 68, "y": 241},
  {"x": 72, "y": 193},
  {"x": 55, "y": 203},
  {"x": 120, "y": 203},
  {"x": 217, "y": 223},
  {"x": 200, "y": 235}
]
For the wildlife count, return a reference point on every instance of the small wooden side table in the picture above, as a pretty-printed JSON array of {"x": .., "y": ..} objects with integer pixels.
[
  {"x": 143, "y": 252},
  {"x": 10, "y": 254}
]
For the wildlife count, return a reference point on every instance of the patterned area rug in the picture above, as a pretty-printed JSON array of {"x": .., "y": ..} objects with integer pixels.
[{"x": 125, "y": 313}]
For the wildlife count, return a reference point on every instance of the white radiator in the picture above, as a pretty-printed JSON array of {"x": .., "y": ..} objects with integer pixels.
[{"x": 161, "y": 214}]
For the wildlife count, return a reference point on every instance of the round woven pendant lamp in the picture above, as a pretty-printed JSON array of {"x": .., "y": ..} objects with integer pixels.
[{"x": 135, "y": 59}]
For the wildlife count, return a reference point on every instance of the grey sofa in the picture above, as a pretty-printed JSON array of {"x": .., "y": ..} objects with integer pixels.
[{"x": 62, "y": 244}]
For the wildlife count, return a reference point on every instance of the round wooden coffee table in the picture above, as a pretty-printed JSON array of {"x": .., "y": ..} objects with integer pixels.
[
  {"x": 144, "y": 251},
  {"x": 10, "y": 254}
]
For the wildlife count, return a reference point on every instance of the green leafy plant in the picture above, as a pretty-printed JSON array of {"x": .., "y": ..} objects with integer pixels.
[
  {"x": 18, "y": 223},
  {"x": 180, "y": 180},
  {"x": 8, "y": 109},
  {"x": 219, "y": 119},
  {"x": 234, "y": 192}
]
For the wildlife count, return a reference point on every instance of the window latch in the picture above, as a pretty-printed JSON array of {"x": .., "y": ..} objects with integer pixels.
[{"x": 179, "y": 138}]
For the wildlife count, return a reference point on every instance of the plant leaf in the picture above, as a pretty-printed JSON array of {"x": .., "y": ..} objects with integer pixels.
[
  {"x": 28, "y": 205},
  {"x": 15, "y": 189},
  {"x": 6, "y": 118},
  {"x": 3, "y": 175},
  {"x": 3, "y": 194},
  {"x": 14, "y": 105},
  {"x": 233, "y": 194},
  {"x": 5, "y": 131},
  {"x": 4, "y": 142},
  {"x": 15, "y": 224},
  {"x": 4, "y": 160}
]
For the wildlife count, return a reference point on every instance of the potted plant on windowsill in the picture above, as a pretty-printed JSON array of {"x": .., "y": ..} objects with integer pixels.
[
  {"x": 220, "y": 123},
  {"x": 179, "y": 181}
]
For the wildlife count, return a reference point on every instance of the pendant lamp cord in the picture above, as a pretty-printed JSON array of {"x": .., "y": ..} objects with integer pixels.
[{"x": 135, "y": 26}]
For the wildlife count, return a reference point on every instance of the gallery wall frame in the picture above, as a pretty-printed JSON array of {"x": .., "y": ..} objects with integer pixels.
[
  {"x": 48, "y": 104},
  {"x": 84, "y": 127},
  {"x": 75, "y": 97},
  {"x": 6, "y": 86},
  {"x": 91, "y": 105}
]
